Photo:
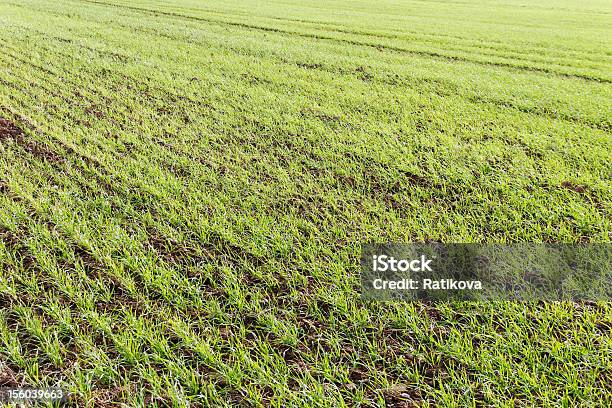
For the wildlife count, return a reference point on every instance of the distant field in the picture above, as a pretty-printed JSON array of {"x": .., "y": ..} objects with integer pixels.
[{"x": 185, "y": 186}]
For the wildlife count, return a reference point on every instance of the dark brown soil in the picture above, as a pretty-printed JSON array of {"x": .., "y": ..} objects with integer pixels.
[{"x": 10, "y": 131}]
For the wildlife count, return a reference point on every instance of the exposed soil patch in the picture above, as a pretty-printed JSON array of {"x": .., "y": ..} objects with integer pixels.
[
  {"x": 308, "y": 65},
  {"x": 574, "y": 187},
  {"x": 401, "y": 396},
  {"x": 364, "y": 74},
  {"x": 9, "y": 238},
  {"x": 217, "y": 249},
  {"x": 172, "y": 251},
  {"x": 95, "y": 111},
  {"x": 322, "y": 116},
  {"x": 584, "y": 191},
  {"x": 13, "y": 243},
  {"x": 110, "y": 397},
  {"x": 10, "y": 131},
  {"x": 8, "y": 378}
]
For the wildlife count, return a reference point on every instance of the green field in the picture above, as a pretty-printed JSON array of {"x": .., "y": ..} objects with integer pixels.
[{"x": 185, "y": 187}]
